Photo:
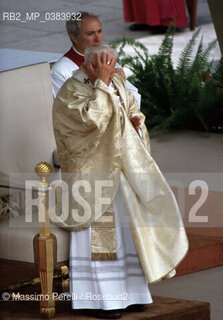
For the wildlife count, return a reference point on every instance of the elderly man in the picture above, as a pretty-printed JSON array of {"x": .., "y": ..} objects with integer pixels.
[
  {"x": 115, "y": 186},
  {"x": 84, "y": 32}
]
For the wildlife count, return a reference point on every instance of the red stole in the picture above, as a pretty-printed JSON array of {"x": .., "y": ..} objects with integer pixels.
[{"x": 75, "y": 57}]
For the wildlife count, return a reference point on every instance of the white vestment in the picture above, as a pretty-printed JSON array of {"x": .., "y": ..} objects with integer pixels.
[{"x": 107, "y": 285}]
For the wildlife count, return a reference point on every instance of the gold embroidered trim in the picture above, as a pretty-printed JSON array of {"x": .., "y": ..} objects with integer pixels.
[{"x": 103, "y": 237}]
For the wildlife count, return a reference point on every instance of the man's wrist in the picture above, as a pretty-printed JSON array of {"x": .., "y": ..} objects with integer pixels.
[{"x": 101, "y": 85}]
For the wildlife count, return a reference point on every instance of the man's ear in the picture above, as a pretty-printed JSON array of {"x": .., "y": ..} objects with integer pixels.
[{"x": 73, "y": 38}]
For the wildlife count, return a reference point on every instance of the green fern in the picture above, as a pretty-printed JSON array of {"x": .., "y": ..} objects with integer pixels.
[
  {"x": 188, "y": 97},
  {"x": 218, "y": 74},
  {"x": 185, "y": 57},
  {"x": 166, "y": 48}
]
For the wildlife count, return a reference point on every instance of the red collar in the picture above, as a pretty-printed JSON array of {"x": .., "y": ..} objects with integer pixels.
[{"x": 75, "y": 57}]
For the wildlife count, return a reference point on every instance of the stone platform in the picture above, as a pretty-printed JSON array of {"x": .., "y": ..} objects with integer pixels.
[
  {"x": 162, "y": 309},
  {"x": 205, "y": 252}
]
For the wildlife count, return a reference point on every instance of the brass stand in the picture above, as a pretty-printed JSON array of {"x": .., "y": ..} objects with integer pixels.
[{"x": 45, "y": 244}]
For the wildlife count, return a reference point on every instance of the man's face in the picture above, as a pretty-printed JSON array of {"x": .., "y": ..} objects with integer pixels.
[{"x": 90, "y": 35}]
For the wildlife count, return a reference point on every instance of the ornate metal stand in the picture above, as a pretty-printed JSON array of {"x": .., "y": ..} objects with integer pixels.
[{"x": 45, "y": 244}]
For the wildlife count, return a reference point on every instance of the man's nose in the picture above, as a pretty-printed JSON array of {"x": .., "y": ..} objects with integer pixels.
[{"x": 96, "y": 38}]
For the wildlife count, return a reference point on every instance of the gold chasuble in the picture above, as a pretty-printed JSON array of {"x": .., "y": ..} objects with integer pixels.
[{"x": 100, "y": 151}]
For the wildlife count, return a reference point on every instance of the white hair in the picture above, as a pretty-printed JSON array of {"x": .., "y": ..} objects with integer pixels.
[{"x": 89, "y": 52}]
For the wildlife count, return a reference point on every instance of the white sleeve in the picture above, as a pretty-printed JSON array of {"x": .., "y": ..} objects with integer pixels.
[
  {"x": 60, "y": 72},
  {"x": 132, "y": 89},
  {"x": 57, "y": 82}
]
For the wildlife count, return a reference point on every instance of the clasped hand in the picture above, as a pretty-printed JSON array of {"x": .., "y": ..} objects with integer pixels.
[
  {"x": 102, "y": 67},
  {"x": 136, "y": 122}
]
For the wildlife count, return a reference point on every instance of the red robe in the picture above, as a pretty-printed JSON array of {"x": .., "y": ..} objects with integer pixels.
[
  {"x": 155, "y": 12},
  {"x": 75, "y": 57}
]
